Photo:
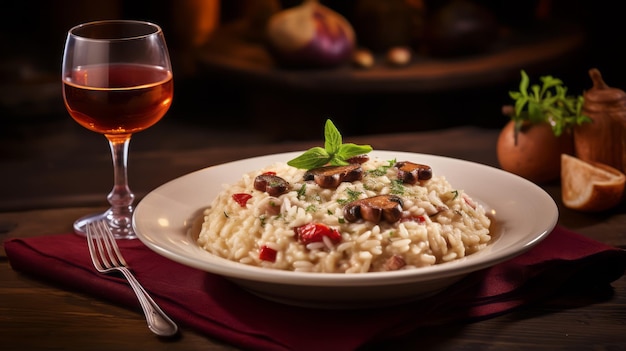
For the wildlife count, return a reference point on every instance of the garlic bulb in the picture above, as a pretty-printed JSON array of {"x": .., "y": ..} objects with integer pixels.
[{"x": 310, "y": 35}]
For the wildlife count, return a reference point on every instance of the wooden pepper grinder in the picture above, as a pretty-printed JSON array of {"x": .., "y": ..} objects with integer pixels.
[{"x": 604, "y": 139}]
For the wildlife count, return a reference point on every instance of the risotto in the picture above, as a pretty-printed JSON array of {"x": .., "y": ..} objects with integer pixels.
[{"x": 308, "y": 227}]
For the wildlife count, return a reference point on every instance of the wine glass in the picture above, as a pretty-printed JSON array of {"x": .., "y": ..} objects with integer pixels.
[{"x": 117, "y": 80}]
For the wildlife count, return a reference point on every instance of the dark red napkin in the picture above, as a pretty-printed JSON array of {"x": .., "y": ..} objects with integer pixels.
[{"x": 218, "y": 308}]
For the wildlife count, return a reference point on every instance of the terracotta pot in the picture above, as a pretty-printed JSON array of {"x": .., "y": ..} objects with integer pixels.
[
  {"x": 536, "y": 154},
  {"x": 604, "y": 139}
]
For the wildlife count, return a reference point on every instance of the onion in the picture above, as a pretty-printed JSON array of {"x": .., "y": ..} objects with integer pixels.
[
  {"x": 310, "y": 35},
  {"x": 535, "y": 153}
]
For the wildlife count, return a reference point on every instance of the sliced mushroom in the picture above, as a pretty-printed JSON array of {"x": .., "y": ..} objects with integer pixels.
[
  {"x": 271, "y": 184},
  {"x": 374, "y": 209},
  {"x": 329, "y": 177},
  {"x": 358, "y": 159},
  {"x": 411, "y": 173}
]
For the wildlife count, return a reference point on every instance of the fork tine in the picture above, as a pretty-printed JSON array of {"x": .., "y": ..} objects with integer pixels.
[
  {"x": 94, "y": 253},
  {"x": 112, "y": 248},
  {"x": 102, "y": 250}
]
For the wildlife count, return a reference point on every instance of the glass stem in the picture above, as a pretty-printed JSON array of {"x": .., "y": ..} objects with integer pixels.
[{"x": 121, "y": 197}]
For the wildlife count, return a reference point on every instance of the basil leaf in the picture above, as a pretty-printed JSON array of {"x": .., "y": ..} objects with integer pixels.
[
  {"x": 332, "y": 138},
  {"x": 350, "y": 150},
  {"x": 312, "y": 158},
  {"x": 334, "y": 152},
  {"x": 337, "y": 161}
]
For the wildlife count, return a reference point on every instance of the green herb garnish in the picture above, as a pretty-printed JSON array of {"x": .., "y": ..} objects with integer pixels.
[
  {"x": 382, "y": 170},
  {"x": 397, "y": 187},
  {"x": 334, "y": 153},
  {"x": 455, "y": 193},
  {"x": 352, "y": 195},
  {"x": 302, "y": 192},
  {"x": 546, "y": 103}
]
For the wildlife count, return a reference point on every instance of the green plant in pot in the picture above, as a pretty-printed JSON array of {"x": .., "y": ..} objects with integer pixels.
[{"x": 540, "y": 129}]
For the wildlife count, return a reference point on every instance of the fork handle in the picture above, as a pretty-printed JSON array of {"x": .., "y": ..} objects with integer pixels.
[{"x": 158, "y": 322}]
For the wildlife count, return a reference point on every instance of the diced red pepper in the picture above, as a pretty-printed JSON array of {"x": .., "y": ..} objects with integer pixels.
[
  {"x": 242, "y": 198},
  {"x": 267, "y": 254},
  {"x": 270, "y": 173},
  {"x": 314, "y": 232}
]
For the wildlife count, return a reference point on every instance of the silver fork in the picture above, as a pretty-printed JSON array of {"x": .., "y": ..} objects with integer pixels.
[{"x": 106, "y": 257}]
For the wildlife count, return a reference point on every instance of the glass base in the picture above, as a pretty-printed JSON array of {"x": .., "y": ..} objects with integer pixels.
[{"x": 119, "y": 231}]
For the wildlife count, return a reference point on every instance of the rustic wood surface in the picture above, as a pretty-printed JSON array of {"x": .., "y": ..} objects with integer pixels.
[{"x": 38, "y": 315}]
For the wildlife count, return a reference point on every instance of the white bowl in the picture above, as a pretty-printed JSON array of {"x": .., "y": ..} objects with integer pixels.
[{"x": 167, "y": 221}]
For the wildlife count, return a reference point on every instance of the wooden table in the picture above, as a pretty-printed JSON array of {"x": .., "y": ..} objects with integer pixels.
[{"x": 37, "y": 315}]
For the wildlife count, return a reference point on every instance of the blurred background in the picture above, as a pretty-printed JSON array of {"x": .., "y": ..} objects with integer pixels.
[{"x": 465, "y": 57}]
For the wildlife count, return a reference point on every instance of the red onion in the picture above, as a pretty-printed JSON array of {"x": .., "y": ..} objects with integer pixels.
[{"x": 310, "y": 35}]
